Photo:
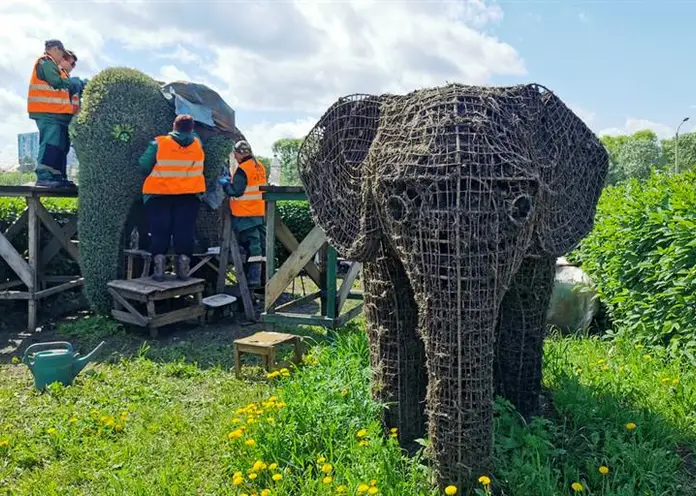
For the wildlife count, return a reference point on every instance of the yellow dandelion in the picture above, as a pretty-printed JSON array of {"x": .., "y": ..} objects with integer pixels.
[
  {"x": 675, "y": 381},
  {"x": 373, "y": 482},
  {"x": 363, "y": 488},
  {"x": 362, "y": 433},
  {"x": 326, "y": 468},
  {"x": 577, "y": 487},
  {"x": 4, "y": 443},
  {"x": 51, "y": 430},
  {"x": 266, "y": 492},
  {"x": 270, "y": 420},
  {"x": 72, "y": 420},
  {"x": 273, "y": 375},
  {"x": 273, "y": 466},
  {"x": 450, "y": 490},
  {"x": 321, "y": 459},
  {"x": 363, "y": 443},
  {"x": 235, "y": 434},
  {"x": 603, "y": 470},
  {"x": 253, "y": 476},
  {"x": 118, "y": 427},
  {"x": 485, "y": 480},
  {"x": 601, "y": 361},
  {"x": 250, "y": 442},
  {"x": 258, "y": 466},
  {"x": 237, "y": 475},
  {"x": 327, "y": 480},
  {"x": 631, "y": 426},
  {"x": 372, "y": 490},
  {"x": 341, "y": 489},
  {"x": 606, "y": 367},
  {"x": 277, "y": 477},
  {"x": 238, "y": 481},
  {"x": 647, "y": 358},
  {"x": 344, "y": 393}
]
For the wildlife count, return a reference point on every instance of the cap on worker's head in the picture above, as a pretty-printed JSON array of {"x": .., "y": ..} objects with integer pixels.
[
  {"x": 54, "y": 43},
  {"x": 242, "y": 147}
]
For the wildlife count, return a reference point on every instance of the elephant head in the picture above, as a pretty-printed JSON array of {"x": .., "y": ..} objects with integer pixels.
[{"x": 473, "y": 191}]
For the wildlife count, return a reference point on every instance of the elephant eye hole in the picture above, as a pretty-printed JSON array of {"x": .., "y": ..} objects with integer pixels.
[{"x": 520, "y": 208}]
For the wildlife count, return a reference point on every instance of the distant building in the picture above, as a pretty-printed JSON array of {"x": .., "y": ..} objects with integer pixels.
[{"x": 28, "y": 153}]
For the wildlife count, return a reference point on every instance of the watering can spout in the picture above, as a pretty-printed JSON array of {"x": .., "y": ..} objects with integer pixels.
[{"x": 80, "y": 363}]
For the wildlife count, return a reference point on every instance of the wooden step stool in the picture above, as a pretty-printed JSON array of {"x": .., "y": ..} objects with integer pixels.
[
  {"x": 146, "y": 291},
  {"x": 221, "y": 303},
  {"x": 264, "y": 345}
]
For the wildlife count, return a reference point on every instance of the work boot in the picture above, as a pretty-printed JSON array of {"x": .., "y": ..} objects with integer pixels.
[
  {"x": 50, "y": 183},
  {"x": 160, "y": 264},
  {"x": 254, "y": 275},
  {"x": 183, "y": 265}
]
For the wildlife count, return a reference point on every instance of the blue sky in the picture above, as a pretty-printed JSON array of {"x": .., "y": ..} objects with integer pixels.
[{"x": 621, "y": 65}]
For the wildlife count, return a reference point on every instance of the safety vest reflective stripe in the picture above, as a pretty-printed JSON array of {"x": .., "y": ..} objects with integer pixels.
[
  {"x": 186, "y": 173},
  {"x": 180, "y": 163},
  {"x": 45, "y": 99}
]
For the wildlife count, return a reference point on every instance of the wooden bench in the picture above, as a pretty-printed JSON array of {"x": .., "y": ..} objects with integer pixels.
[
  {"x": 146, "y": 291},
  {"x": 264, "y": 344}
]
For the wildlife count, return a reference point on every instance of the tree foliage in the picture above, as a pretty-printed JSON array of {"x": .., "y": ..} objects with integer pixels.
[
  {"x": 632, "y": 156},
  {"x": 287, "y": 149},
  {"x": 687, "y": 151}
]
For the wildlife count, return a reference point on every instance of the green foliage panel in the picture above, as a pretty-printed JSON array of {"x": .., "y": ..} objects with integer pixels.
[
  {"x": 123, "y": 109},
  {"x": 642, "y": 256}
]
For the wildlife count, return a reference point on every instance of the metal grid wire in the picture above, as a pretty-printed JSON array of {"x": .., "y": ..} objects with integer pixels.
[{"x": 452, "y": 196}]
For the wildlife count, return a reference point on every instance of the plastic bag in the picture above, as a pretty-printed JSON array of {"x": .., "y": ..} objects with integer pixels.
[
  {"x": 574, "y": 302},
  {"x": 204, "y": 104}
]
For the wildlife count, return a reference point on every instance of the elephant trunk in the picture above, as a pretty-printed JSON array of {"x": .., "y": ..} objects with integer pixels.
[{"x": 457, "y": 318}]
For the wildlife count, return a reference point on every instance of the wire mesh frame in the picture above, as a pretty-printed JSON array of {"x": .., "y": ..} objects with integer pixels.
[{"x": 475, "y": 190}]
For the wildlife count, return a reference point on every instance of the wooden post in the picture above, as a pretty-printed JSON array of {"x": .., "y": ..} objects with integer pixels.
[
  {"x": 224, "y": 248},
  {"x": 229, "y": 245},
  {"x": 330, "y": 285},
  {"x": 270, "y": 249},
  {"x": 34, "y": 233}
]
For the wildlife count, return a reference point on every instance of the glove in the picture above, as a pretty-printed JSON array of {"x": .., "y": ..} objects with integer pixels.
[{"x": 224, "y": 181}]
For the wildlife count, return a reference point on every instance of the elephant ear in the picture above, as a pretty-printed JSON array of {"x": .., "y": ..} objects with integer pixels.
[
  {"x": 333, "y": 167},
  {"x": 574, "y": 165}
]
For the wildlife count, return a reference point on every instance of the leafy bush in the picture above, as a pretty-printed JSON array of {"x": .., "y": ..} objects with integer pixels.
[
  {"x": 642, "y": 256},
  {"x": 296, "y": 216},
  {"x": 123, "y": 109}
]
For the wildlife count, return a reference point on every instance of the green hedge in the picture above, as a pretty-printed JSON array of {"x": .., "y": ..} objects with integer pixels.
[{"x": 642, "y": 256}]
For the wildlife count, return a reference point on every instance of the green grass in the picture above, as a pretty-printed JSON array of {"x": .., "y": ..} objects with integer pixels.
[{"x": 183, "y": 404}]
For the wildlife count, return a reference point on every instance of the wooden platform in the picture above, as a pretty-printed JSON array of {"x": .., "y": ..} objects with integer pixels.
[
  {"x": 147, "y": 292},
  {"x": 32, "y": 285}
]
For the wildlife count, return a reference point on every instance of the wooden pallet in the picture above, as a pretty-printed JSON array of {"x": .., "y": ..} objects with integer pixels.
[{"x": 128, "y": 294}]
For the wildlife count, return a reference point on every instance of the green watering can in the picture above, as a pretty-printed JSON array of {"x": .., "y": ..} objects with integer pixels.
[{"x": 55, "y": 362}]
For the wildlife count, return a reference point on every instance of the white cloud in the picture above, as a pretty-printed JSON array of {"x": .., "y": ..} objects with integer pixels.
[
  {"x": 587, "y": 116},
  {"x": 14, "y": 121},
  {"x": 262, "y": 136},
  {"x": 295, "y": 55},
  {"x": 633, "y": 124},
  {"x": 171, "y": 73}
]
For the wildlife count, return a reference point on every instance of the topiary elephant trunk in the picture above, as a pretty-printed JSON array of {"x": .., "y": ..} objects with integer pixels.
[
  {"x": 123, "y": 109},
  {"x": 458, "y": 200}
]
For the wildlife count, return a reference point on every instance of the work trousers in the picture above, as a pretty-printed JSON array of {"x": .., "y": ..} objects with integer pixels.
[
  {"x": 54, "y": 145},
  {"x": 252, "y": 238},
  {"x": 172, "y": 216}
]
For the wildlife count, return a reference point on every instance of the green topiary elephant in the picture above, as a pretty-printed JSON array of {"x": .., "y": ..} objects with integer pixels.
[{"x": 123, "y": 109}]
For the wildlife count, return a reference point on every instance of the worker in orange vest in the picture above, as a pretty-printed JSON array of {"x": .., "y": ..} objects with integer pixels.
[
  {"x": 49, "y": 104},
  {"x": 68, "y": 63},
  {"x": 172, "y": 194},
  {"x": 248, "y": 208}
]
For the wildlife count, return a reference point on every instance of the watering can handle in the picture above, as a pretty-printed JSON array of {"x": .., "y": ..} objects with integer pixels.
[{"x": 45, "y": 346}]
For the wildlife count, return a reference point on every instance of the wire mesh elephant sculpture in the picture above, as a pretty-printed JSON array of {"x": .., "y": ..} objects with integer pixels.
[{"x": 458, "y": 199}]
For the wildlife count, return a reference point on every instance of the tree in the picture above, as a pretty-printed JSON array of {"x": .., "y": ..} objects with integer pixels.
[
  {"x": 287, "y": 149},
  {"x": 632, "y": 156},
  {"x": 687, "y": 151}
]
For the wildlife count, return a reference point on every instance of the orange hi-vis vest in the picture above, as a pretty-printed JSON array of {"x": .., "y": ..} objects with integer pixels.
[
  {"x": 76, "y": 103},
  {"x": 251, "y": 203},
  {"x": 42, "y": 98},
  {"x": 178, "y": 169}
]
